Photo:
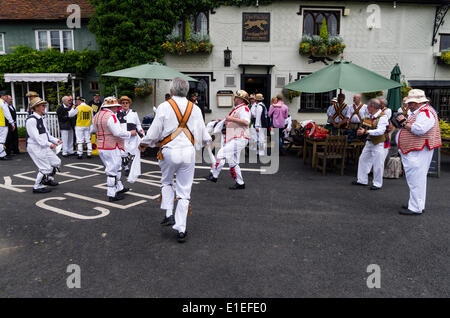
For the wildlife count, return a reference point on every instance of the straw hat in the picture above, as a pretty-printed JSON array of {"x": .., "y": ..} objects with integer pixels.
[
  {"x": 81, "y": 98},
  {"x": 416, "y": 96},
  {"x": 334, "y": 100},
  {"x": 252, "y": 96},
  {"x": 110, "y": 101},
  {"x": 259, "y": 97},
  {"x": 31, "y": 94},
  {"x": 36, "y": 102},
  {"x": 122, "y": 98},
  {"x": 242, "y": 94}
]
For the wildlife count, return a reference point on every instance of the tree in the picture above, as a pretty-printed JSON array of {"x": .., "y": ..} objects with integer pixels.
[{"x": 324, "y": 30}]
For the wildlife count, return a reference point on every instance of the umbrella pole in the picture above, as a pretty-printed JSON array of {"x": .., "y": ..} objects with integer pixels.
[{"x": 154, "y": 92}]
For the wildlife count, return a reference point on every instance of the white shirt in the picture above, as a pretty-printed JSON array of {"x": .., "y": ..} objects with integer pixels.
[
  {"x": 362, "y": 113},
  {"x": 34, "y": 138},
  {"x": 381, "y": 126},
  {"x": 6, "y": 111},
  {"x": 388, "y": 112},
  {"x": 253, "y": 110},
  {"x": 132, "y": 117},
  {"x": 331, "y": 111},
  {"x": 256, "y": 113},
  {"x": 166, "y": 122}
]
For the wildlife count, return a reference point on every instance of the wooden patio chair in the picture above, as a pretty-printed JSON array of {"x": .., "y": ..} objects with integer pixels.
[{"x": 335, "y": 148}]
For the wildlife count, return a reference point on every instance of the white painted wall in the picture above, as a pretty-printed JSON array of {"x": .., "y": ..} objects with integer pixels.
[{"x": 404, "y": 37}]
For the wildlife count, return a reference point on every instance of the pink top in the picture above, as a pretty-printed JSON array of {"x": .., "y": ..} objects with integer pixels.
[{"x": 280, "y": 112}]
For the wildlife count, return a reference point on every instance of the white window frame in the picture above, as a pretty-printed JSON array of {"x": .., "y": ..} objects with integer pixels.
[
  {"x": 3, "y": 43},
  {"x": 61, "y": 39}
]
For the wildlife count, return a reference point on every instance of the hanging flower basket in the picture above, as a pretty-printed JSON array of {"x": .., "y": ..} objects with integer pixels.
[
  {"x": 445, "y": 57},
  {"x": 290, "y": 95},
  {"x": 143, "y": 90}
]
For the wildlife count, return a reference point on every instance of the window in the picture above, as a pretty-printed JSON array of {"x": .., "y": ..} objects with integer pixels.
[
  {"x": 201, "y": 87},
  {"x": 313, "y": 19},
  {"x": 94, "y": 87},
  {"x": 199, "y": 23},
  {"x": 445, "y": 42},
  {"x": 61, "y": 40},
  {"x": 315, "y": 102},
  {"x": 2, "y": 43}
]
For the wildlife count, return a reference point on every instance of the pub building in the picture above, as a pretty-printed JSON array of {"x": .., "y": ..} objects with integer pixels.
[{"x": 257, "y": 48}]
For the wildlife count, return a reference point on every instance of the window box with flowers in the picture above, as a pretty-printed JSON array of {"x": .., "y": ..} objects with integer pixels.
[
  {"x": 194, "y": 44},
  {"x": 323, "y": 44}
]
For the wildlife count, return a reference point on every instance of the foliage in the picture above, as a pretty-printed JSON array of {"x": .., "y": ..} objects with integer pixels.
[
  {"x": 51, "y": 94},
  {"x": 143, "y": 89},
  {"x": 27, "y": 60},
  {"x": 290, "y": 95},
  {"x": 445, "y": 129},
  {"x": 321, "y": 46},
  {"x": 197, "y": 43},
  {"x": 324, "y": 30},
  {"x": 445, "y": 57},
  {"x": 371, "y": 95},
  {"x": 405, "y": 89},
  {"x": 22, "y": 132}
]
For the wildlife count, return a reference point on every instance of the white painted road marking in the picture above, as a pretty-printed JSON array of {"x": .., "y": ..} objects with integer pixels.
[
  {"x": 41, "y": 203},
  {"x": 114, "y": 205}
]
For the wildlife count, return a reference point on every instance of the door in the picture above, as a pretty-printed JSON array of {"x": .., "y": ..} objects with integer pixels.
[
  {"x": 202, "y": 89},
  {"x": 257, "y": 84}
]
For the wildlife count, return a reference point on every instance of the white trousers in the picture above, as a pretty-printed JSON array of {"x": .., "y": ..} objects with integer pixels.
[
  {"x": 231, "y": 153},
  {"x": 67, "y": 139},
  {"x": 179, "y": 162},
  {"x": 113, "y": 168},
  {"x": 45, "y": 160},
  {"x": 258, "y": 140},
  {"x": 83, "y": 136},
  {"x": 416, "y": 165},
  {"x": 372, "y": 156},
  {"x": 3, "y": 135}
]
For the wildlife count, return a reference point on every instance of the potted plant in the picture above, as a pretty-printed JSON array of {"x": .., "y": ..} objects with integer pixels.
[{"x": 321, "y": 45}]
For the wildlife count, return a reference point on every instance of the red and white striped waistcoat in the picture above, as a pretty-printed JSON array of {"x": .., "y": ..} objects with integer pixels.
[
  {"x": 105, "y": 139},
  {"x": 235, "y": 130},
  {"x": 408, "y": 142}
]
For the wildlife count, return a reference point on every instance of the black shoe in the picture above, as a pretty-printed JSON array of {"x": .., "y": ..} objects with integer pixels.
[
  {"x": 5, "y": 158},
  {"x": 118, "y": 197},
  {"x": 360, "y": 184},
  {"x": 80, "y": 157},
  {"x": 375, "y": 188},
  {"x": 406, "y": 208},
  {"x": 51, "y": 183},
  {"x": 408, "y": 212},
  {"x": 42, "y": 190},
  {"x": 127, "y": 172},
  {"x": 125, "y": 189},
  {"x": 89, "y": 157},
  {"x": 237, "y": 186},
  {"x": 65, "y": 156},
  {"x": 181, "y": 237},
  {"x": 211, "y": 178},
  {"x": 168, "y": 221}
]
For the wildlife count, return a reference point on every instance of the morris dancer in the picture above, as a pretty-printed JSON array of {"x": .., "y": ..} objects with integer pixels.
[
  {"x": 373, "y": 154},
  {"x": 129, "y": 121},
  {"x": 110, "y": 141},
  {"x": 40, "y": 145},
  {"x": 84, "y": 114},
  {"x": 180, "y": 129},
  {"x": 236, "y": 139},
  {"x": 416, "y": 142},
  {"x": 5, "y": 118}
]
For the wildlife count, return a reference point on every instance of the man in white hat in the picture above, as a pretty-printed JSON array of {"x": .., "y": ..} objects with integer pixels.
[
  {"x": 416, "y": 141},
  {"x": 373, "y": 154},
  {"x": 5, "y": 118},
  {"x": 84, "y": 115},
  {"x": 110, "y": 141},
  {"x": 179, "y": 129},
  {"x": 260, "y": 125},
  {"x": 337, "y": 114},
  {"x": 236, "y": 139},
  {"x": 40, "y": 146}
]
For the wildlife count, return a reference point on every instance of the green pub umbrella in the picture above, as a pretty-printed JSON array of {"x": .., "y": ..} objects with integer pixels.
[
  {"x": 345, "y": 75},
  {"x": 154, "y": 71},
  {"x": 394, "y": 96}
]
